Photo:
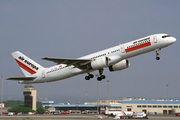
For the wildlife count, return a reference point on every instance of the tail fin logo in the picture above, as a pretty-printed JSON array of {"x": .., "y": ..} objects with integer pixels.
[{"x": 27, "y": 62}]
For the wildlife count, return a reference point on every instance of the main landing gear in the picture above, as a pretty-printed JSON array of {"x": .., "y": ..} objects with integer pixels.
[
  {"x": 99, "y": 78},
  {"x": 157, "y": 54},
  {"x": 89, "y": 76}
]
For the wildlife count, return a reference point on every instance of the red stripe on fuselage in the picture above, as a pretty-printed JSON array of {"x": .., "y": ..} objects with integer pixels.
[
  {"x": 25, "y": 67},
  {"x": 138, "y": 47}
]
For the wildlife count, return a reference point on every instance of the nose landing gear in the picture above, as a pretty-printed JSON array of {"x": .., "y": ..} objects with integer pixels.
[{"x": 157, "y": 54}]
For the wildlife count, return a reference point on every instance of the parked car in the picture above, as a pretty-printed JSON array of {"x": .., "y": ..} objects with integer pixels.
[
  {"x": 10, "y": 114},
  {"x": 64, "y": 112},
  {"x": 177, "y": 114}
]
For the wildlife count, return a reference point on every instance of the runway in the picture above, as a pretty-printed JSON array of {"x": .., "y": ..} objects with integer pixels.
[{"x": 74, "y": 117}]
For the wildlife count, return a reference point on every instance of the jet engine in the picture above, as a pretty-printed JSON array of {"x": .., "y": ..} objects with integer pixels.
[
  {"x": 99, "y": 63},
  {"x": 104, "y": 62},
  {"x": 114, "y": 59},
  {"x": 119, "y": 66}
]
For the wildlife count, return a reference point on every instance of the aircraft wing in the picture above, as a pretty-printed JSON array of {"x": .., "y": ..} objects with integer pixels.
[
  {"x": 21, "y": 78},
  {"x": 75, "y": 62}
]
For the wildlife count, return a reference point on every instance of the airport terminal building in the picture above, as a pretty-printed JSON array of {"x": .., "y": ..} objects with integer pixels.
[
  {"x": 92, "y": 107},
  {"x": 162, "y": 107}
]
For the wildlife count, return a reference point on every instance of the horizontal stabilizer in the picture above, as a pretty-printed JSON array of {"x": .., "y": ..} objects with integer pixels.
[{"x": 21, "y": 78}]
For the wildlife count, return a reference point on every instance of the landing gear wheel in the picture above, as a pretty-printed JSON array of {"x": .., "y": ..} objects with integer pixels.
[
  {"x": 99, "y": 78},
  {"x": 91, "y": 75},
  {"x": 87, "y": 77},
  {"x": 157, "y": 58},
  {"x": 103, "y": 76}
]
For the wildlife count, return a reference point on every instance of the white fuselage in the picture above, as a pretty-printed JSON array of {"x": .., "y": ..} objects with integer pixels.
[
  {"x": 119, "y": 113},
  {"x": 122, "y": 51}
]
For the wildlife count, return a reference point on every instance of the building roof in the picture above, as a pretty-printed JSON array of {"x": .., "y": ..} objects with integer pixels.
[
  {"x": 47, "y": 102},
  {"x": 79, "y": 105},
  {"x": 150, "y": 102}
]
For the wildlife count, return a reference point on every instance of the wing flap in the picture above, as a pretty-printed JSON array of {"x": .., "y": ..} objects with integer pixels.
[
  {"x": 75, "y": 62},
  {"x": 21, "y": 78}
]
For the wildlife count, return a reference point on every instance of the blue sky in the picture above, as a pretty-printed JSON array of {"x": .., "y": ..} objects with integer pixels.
[{"x": 71, "y": 29}]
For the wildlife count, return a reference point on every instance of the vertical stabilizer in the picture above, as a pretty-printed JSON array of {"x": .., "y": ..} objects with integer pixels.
[{"x": 28, "y": 66}]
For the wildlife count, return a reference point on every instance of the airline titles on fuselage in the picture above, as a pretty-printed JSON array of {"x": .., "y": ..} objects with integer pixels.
[
  {"x": 138, "y": 45},
  {"x": 139, "y": 42}
]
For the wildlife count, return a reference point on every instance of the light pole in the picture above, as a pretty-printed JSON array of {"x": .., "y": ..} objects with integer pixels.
[
  {"x": 2, "y": 95},
  {"x": 108, "y": 88},
  {"x": 167, "y": 92},
  {"x": 86, "y": 95},
  {"x": 97, "y": 97}
]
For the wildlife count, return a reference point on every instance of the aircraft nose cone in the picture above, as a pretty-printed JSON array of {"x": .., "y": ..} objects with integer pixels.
[{"x": 173, "y": 39}]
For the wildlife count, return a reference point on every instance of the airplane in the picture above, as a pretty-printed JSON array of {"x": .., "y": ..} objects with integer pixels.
[
  {"x": 131, "y": 115},
  {"x": 114, "y": 58},
  {"x": 140, "y": 115},
  {"x": 117, "y": 113}
]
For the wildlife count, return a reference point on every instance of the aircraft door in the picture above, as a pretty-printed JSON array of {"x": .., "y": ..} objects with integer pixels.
[
  {"x": 155, "y": 39},
  {"x": 122, "y": 48},
  {"x": 43, "y": 74}
]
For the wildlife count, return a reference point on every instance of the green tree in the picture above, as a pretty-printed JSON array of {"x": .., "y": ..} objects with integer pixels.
[
  {"x": 18, "y": 109},
  {"x": 38, "y": 104},
  {"x": 13, "y": 103},
  {"x": 40, "y": 110}
]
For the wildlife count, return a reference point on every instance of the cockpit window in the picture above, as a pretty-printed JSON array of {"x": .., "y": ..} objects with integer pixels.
[{"x": 165, "y": 36}]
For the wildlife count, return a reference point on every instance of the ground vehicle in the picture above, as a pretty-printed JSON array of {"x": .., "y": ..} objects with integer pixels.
[
  {"x": 64, "y": 112},
  {"x": 177, "y": 114},
  {"x": 10, "y": 114},
  {"x": 140, "y": 115}
]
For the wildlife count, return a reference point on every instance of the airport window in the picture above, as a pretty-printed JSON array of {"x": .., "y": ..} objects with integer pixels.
[
  {"x": 159, "y": 106},
  {"x": 164, "y": 106},
  {"x": 149, "y": 106},
  {"x": 169, "y": 106},
  {"x": 154, "y": 106},
  {"x": 139, "y": 106},
  {"x": 175, "y": 106},
  {"x": 27, "y": 92},
  {"x": 144, "y": 106}
]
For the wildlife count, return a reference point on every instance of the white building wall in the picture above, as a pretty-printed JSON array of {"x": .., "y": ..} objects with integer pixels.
[{"x": 152, "y": 108}]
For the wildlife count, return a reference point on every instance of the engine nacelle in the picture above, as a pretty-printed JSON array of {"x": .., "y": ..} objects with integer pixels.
[
  {"x": 119, "y": 66},
  {"x": 114, "y": 59},
  {"x": 99, "y": 63}
]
